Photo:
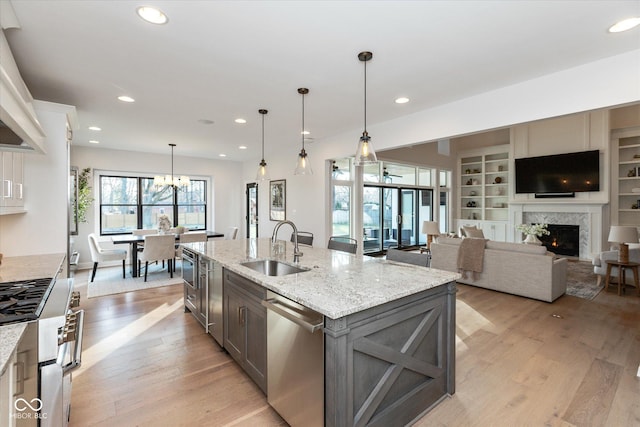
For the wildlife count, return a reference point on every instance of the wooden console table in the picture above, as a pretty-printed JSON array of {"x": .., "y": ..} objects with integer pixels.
[{"x": 622, "y": 267}]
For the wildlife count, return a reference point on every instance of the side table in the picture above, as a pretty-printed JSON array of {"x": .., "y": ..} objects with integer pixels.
[{"x": 622, "y": 267}]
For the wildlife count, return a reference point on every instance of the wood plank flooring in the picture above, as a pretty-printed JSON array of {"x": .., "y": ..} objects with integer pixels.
[{"x": 519, "y": 362}]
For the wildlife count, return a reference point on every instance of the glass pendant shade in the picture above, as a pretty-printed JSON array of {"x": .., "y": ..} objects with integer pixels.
[
  {"x": 365, "y": 154},
  {"x": 303, "y": 167},
  {"x": 262, "y": 174}
]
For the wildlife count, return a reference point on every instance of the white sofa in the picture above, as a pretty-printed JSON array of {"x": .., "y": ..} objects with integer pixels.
[
  {"x": 600, "y": 265},
  {"x": 515, "y": 268}
]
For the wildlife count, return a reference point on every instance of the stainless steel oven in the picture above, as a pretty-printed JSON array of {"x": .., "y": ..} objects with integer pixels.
[{"x": 49, "y": 351}]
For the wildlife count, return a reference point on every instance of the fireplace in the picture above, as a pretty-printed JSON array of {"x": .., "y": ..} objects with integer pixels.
[{"x": 562, "y": 239}]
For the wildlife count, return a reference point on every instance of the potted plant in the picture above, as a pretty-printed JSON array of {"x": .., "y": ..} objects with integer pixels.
[{"x": 84, "y": 195}]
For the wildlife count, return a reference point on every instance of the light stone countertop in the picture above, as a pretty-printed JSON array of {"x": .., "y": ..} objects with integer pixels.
[
  {"x": 23, "y": 268},
  {"x": 337, "y": 283},
  {"x": 9, "y": 338}
]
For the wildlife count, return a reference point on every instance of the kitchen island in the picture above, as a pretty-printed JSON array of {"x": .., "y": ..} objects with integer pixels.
[{"x": 389, "y": 328}]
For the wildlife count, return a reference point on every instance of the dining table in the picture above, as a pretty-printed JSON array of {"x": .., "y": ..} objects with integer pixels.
[{"x": 133, "y": 241}]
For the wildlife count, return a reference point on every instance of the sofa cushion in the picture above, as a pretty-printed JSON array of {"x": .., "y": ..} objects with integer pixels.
[
  {"x": 473, "y": 232},
  {"x": 517, "y": 247},
  {"x": 448, "y": 240}
]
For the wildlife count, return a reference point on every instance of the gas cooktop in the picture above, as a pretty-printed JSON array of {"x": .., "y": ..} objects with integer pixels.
[{"x": 23, "y": 300}]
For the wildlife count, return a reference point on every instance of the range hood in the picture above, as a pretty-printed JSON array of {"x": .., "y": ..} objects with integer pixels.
[{"x": 20, "y": 129}]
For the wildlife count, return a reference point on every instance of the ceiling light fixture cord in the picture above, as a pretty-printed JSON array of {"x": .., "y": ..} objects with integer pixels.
[
  {"x": 262, "y": 114},
  {"x": 365, "y": 96},
  {"x": 303, "y": 120},
  {"x": 172, "y": 145}
]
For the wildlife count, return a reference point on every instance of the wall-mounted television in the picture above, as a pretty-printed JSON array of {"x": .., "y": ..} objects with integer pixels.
[{"x": 559, "y": 174}]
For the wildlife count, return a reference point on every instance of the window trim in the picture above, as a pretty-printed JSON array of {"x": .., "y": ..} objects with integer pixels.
[{"x": 97, "y": 184}]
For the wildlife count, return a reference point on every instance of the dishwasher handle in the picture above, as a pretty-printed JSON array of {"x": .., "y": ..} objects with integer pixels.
[{"x": 284, "y": 311}]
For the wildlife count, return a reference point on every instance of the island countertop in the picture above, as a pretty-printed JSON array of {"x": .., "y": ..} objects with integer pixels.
[{"x": 337, "y": 283}]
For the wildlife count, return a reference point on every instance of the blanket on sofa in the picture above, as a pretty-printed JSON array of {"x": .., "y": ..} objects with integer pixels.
[{"x": 471, "y": 256}]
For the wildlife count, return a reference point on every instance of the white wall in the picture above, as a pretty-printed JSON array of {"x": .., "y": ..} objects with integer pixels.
[
  {"x": 225, "y": 203},
  {"x": 43, "y": 228}
]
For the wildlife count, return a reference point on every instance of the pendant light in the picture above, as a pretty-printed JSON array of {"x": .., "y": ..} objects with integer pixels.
[
  {"x": 262, "y": 174},
  {"x": 302, "y": 166},
  {"x": 365, "y": 154},
  {"x": 161, "y": 181}
]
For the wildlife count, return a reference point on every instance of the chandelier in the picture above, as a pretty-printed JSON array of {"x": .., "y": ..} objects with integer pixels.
[{"x": 161, "y": 181}]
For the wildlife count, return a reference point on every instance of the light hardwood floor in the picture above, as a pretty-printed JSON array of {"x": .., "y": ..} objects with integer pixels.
[{"x": 519, "y": 362}]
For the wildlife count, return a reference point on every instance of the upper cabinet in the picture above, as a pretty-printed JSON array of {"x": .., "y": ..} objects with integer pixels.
[
  {"x": 626, "y": 177},
  {"x": 12, "y": 189},
  {"x": 484, "y": 184}
]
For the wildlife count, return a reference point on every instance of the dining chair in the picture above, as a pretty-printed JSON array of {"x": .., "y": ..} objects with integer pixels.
[
  {"x": 190, "y": 237},
  {"x": 98, "y": 254},
  {"x": 407, "y": 257},
  {"x": 231, "y": 233},
  {"x": 158, "y": 247},
  {"x": 344, "y": 244},
  {"x": 304, "y": 238}
]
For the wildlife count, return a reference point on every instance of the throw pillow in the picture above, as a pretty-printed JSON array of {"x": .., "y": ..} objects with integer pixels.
[{"x": 473, "y": 232}]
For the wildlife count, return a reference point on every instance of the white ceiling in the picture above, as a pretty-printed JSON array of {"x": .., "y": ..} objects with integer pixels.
[{"x": 219, "y": 60}]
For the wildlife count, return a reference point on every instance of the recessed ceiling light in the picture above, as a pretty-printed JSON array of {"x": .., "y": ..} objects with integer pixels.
[
  {"x": 242, "y": 147},
  {"x": 305, "y": 132},
  {"x": 222, "y": 155},
  {"x": 241, "y": 121},
  {"x": 624, "y": 25},
  {"x": 96, "y": 128},
  {"x": 402, "y": 100},
  {"x": 93, "y": 141},
  {"x": 125, "y": 98},
  {"x": 152, "y": 15}
]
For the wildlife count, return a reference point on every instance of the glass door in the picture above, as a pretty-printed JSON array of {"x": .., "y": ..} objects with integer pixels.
[
  {"x": 392, "y": 217},
  {"x": 252, "y": 210}
]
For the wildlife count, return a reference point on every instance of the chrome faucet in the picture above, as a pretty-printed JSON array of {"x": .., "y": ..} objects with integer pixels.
[{"x": 296, "y": 251}]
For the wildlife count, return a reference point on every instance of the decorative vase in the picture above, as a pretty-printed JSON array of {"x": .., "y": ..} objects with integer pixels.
[{"x": 532, "y": 239}]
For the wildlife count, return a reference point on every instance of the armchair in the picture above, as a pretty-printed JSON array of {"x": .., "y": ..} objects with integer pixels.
[{"x": 600, "y": 264}]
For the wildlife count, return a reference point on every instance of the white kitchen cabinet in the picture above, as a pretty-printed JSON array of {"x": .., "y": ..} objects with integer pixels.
[
  {"x": 12, "y": 174},
  {"x": 7, "y": 389}
]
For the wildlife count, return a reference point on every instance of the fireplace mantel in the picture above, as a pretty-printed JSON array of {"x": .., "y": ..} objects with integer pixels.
[{"x": 588, "y": 216}]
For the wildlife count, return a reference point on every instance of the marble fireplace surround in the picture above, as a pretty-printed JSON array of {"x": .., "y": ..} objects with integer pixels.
[{"x": 586, "y": 216}]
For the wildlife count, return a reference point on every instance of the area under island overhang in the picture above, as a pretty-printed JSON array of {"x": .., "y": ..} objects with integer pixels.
[{"x": 389, "y": 328}]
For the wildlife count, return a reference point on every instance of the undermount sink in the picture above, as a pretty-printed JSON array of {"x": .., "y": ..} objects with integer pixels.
[{"x": 272, "y": 267}]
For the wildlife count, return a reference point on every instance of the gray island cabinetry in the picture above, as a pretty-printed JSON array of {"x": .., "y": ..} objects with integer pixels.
[
  {"x": 245, "y": 326},
  {"x": 388, "y": 331}
]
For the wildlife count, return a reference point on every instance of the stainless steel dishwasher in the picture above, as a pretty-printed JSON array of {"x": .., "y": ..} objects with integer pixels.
[{"x": 295, "y": 361}]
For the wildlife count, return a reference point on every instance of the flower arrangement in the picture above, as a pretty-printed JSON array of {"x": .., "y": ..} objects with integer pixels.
[
  {"x": 164, "y": 223},
  {"x": 533, "y": 229}
]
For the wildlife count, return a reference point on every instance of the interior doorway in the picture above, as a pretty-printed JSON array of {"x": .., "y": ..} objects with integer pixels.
[{"x": 252, "y": 210}]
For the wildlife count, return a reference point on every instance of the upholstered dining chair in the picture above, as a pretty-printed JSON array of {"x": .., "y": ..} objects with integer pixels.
[
  {"x": 231, "y": 233},
  {"x": 98, "y": 254},
  {"x": 158, "y": 247},
  {"x": 344, "y": 244},
  {"x": 190, "y": 237},
  {"x": 304, "y": 238},
  {"x": 407, "y": 257}
]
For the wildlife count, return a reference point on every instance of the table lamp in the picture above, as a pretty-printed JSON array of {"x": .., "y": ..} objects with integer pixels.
[
  {"x": 623, "y": 235},
  {"x": 430, "y": 228}
]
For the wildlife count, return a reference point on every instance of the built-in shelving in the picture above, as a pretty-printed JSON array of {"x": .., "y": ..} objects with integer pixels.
[
  {"x": 484, "y": 185},
  {"x": 626, "y": 172}
]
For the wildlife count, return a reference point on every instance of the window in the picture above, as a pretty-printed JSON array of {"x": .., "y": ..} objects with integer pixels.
[{"x": 131, "y": 202}]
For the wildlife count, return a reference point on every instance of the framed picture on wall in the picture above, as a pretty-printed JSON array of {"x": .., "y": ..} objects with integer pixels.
[{"x": 278, "y": 200}]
